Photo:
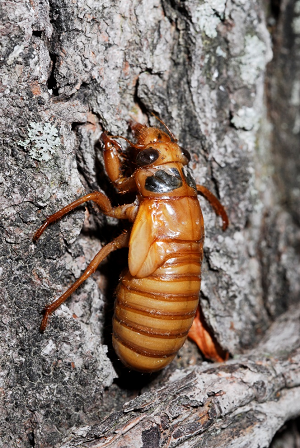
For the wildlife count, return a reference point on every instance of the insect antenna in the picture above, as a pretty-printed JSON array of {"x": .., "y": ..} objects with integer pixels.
[{"x": 170, "y": 132}]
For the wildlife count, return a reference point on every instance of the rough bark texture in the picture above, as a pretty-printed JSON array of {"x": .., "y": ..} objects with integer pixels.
[
  {"x": 72, "y": 69},
  {"x": 237, "y": 404}
]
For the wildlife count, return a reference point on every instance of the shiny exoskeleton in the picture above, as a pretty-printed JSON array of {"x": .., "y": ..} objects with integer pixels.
[{"x": 158, "y": 297}]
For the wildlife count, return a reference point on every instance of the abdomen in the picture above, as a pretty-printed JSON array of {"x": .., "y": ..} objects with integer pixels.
[{"x": 153, "y": 315}]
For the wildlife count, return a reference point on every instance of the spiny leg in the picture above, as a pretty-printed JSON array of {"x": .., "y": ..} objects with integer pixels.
[
  {"x": 215, "y": 203},
  {"x": 127, "y": 211},
  {"x": 113, "y": 156},
  {"x": 96, "y": 196},
  {"x": 118, "y": 243}
]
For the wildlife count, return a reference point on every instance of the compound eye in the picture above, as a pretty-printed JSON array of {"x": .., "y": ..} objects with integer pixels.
[
  {"x": 147, "y": 157},
  {"x": 186, "y": 154}
]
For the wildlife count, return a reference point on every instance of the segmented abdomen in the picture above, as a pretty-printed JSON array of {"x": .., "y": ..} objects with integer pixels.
[{"x": 153, "y": 315}]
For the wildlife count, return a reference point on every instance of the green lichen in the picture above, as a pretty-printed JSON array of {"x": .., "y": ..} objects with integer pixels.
[
  {"x": 254, "y": 59},
  {"x": 43, "y": 140},
  {"x": 208, "y": 15}
]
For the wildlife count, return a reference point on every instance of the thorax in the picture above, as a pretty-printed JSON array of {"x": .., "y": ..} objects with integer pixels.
[{"x": 165, "y": 181}]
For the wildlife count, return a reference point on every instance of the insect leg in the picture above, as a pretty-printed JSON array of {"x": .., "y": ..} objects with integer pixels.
[
  {"x": 126, "y": 211},
  {"x": 200, "y": 334},
  {"x": 113, "y": 165},
  {"x": 96, "y": 196},
  {"x": 118, "y": 243},
  {"x": 215, "y": 203}
]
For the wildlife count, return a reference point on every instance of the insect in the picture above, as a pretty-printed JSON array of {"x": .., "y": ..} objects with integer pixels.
[{"x": 158, "y": 296}]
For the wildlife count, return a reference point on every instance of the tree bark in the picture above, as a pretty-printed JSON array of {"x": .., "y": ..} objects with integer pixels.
[
  {"x": 73, "y": 69},
  {"x": 239, "y": 403}
]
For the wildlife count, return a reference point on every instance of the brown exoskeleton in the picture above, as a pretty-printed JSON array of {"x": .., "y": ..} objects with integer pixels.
[{"x": 157, "y": 298}]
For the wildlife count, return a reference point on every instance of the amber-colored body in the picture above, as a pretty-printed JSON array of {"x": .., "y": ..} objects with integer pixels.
[{"x": 158, "y": 297}]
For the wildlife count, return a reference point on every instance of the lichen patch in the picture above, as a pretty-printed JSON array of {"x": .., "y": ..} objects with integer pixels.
[{"x": 43, "y": 141}]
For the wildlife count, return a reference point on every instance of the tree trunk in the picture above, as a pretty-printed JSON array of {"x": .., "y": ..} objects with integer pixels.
[
  {"x": 73, "y": 69},
  {"x": 240, "y": 403}
]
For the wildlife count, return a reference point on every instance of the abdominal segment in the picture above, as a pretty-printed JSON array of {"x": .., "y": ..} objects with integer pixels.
[{"x": 153, "y": 315}]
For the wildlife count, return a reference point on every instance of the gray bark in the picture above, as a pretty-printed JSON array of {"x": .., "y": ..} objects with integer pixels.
[
  {"x": 73, "y": 69},
  {"x": 240, "y": 403}
]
